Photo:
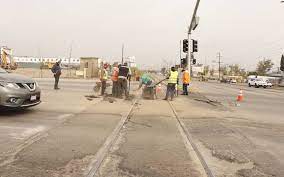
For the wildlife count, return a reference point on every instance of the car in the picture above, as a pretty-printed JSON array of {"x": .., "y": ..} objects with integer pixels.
[
  {"x": 18, "y": 91},
  {"x": 233, "y": 81},
  {"x": 259, "y": 82}
]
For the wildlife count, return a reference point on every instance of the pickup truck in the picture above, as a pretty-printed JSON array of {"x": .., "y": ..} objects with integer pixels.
[{"x": 259, "y": 82}]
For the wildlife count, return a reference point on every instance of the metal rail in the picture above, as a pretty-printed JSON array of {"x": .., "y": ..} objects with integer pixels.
[
  {"x": 190, "y": 141},
  {"x": 104, "y": 150}
]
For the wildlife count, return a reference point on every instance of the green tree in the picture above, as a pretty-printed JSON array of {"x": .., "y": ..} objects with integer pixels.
[
  {"x": 235, "y": 70},
  {"x": 211, "y": 72},
  {"x": 264, "y": 66},
  {"x": 206, "y": 70},
  {"x": 224, "y": 70}
]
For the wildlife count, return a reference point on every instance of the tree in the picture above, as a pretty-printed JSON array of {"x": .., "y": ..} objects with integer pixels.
[
  {"x": 264, "y": 66},
  {"x": 253, "y": 73},
  {"x": 235, "y": 70},
  {"x": 282, "y": 63},
  {"x": 163, "y": 70},
  {"x": 206, "y": 70},
  {"x": 211, "y": 72},
  {"x": 224, "y": 70}
]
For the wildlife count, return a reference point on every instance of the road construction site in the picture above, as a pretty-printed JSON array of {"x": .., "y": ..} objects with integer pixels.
[{"x": 203, "y": 134}]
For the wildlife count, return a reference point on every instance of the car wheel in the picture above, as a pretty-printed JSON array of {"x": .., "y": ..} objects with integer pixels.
[
  {"x": 264, "y": 86},
  {"x": 249, "y": 85},
  {"x": 255, "y": 86}
]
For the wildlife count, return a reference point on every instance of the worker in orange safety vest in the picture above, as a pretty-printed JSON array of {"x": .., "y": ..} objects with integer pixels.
[
  {"x": 185, "y": 81},
  {"x": 114, "y": 78}
]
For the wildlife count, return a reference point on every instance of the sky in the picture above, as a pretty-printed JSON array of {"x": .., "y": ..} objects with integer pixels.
[{"x": 243, "y": 31}]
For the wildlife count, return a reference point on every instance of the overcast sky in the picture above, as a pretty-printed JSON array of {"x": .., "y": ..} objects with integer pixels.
[{"x": 243, "y": 31}]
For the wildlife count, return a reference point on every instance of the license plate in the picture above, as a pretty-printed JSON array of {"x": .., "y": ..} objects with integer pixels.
[{"x": 33, "y": 98}]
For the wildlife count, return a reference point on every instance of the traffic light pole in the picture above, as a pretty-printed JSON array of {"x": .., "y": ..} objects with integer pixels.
[{"x": 189, "y": 53}]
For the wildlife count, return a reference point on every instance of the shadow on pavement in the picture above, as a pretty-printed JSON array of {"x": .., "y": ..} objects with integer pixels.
[{"x": 14, "y": 112}]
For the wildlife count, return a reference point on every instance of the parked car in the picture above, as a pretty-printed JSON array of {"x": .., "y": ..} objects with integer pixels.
[
  {"x": 18, "y": 91},
  {"x": 233, "y": 81},
  {"x": 259, "y": 82}
]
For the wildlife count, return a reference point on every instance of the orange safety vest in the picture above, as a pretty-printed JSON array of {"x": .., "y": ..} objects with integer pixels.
[
  {"x": 185, "y": 78},
  {"x": 114, "y": 76}
]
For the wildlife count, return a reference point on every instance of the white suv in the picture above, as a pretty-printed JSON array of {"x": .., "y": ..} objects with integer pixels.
[{"x": 259, "y": 82}]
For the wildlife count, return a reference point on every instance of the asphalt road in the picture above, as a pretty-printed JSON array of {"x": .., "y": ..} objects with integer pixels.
[
  {"x": 245, "y": 140},
  {"x": 67, "y": 133},
  {"x": 62, "y": 133}
]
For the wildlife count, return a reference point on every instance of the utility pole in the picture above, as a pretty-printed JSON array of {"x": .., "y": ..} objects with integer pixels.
[
  {"x": 180, "y": 46},
  {"x": 189, "y": 53},
  {"x": 122, "y": 55},
  {"x": 219, "y": 63},
  {"x": 70, "y": 52}
]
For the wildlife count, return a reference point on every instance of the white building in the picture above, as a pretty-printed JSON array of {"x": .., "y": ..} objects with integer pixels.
[
  {"x": 38, "y": 60},
  {"x": 131, "y": 61},
  {"x": 199, "y": 68}
]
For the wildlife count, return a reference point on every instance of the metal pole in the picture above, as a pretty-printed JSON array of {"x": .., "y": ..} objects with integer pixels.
[
  {"x": 219, "y": 66},
  {"x": 180, "y": 45},
  {"x": 194, "y": 15},
  {"x": 189, "y": 53},
  {"x": 122, "y": 57}
]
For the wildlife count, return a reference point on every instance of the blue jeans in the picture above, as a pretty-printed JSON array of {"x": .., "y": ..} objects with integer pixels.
[{"x": 171, "y": 89}]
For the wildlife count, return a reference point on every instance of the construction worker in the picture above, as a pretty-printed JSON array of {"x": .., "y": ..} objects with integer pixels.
[
  {"x": 114, "y": 78},
  {"x": 103, "y": 78},
  {"x": 145, "y": 80},
  {"x": 185, "y": 81},
  {"x": 123, "y": 74},
  {"x": 172, "y": 82},
  {"x": 56, "y": 70}
]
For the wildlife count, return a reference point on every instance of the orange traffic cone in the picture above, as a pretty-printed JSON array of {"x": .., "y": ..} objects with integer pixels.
[
  {"x": 240, "y": 98},
  {"x": 159, "y": 88}
]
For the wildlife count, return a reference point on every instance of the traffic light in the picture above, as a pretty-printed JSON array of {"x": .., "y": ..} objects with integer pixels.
[
  {"x": 194, "y": 61},
  {"x": 194, "y": 45},
  {"x": 185, "y": 45},
  {"x": 183, "y": 61}
]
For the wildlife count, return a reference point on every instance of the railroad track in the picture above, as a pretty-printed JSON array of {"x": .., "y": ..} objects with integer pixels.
[
  {"x": 189, "y": 142},
  {"x": 98, "y": 161},
  {"x": 110, "y": 141}
]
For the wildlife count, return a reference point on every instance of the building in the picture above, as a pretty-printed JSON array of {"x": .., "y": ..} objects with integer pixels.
[
  {"x": 131, "y": 61},
  {"x": 90, "y": 66},
  {"x": 36, "y": 62},
  {"x": 197, "y": 69}
]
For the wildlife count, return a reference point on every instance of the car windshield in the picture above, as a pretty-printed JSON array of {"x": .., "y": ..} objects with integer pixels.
[{"x": 2, "y": 70}]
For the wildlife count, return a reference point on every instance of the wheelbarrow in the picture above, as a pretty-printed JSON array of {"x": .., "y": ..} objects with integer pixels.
[
  {"x": 98, "y": 86},
  {"x": 150, "y": 92}
]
